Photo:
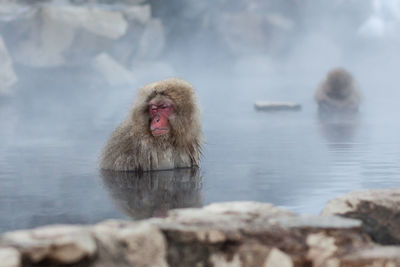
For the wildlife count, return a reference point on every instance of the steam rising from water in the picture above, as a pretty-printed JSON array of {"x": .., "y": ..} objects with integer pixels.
[{"x": 234, "y": 53}]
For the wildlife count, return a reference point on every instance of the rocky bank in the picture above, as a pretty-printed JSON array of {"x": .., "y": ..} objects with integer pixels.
[
  {"x": 224, "y": 234},
  {"x": 109, "y": 40},
  {"x": 121, "y": 42}
]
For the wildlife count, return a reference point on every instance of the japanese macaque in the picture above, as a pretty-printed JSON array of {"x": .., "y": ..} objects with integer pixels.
[
  {"x": 338, "y": 93},
  {"x": 143, "y": 195},
  {"x": 162, "y": 131}
]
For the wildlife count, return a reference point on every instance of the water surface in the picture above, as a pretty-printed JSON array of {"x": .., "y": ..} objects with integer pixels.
[{"x": 51, "y": 136}]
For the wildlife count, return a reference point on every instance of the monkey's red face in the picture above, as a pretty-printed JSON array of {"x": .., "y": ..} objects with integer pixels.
[{"x": 160, "y": 109}]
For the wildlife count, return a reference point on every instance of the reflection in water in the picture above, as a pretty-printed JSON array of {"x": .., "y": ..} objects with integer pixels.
[
  {"x": 49, "y": 169},
  {"x": 339, "y": 128},
  {"x": 152, "y": 194}
]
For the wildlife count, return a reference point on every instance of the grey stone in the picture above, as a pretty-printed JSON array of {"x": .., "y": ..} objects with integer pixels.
[
  {"x": 247, "y": 208},
  {"x": 98, "y": 21},
  {"x": 197, "y": 235},
  {"x": 111, "y": 243},
  {"x": 57, "y": 31},
  {"x": 379, "y": 210},
  {"x": 221, "y": 234},
  {"x": 277, "y": 258},
  {"x": 318, "y": 222},
  {"x": 377, "y": 256},
  {"x": 60, "y": 243},
  {"x": 322, "y": 249},
  {"x": 10, "y": 257},
  {"x": 130, "y": 244},
  {"x": 46, "y": 42},
  {"x": 220, "y": 259}
]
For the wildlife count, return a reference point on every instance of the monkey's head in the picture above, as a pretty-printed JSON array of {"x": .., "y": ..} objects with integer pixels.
[
  {"x": 167, "y": 110},
  {"x": 339, "y": 83}
]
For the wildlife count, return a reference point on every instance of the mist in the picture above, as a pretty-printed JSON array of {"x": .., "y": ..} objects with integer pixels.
[{"x": 71, "y": 70}]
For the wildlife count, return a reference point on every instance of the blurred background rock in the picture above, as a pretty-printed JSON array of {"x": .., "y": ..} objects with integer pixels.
[{"x": 141, "y": 37}]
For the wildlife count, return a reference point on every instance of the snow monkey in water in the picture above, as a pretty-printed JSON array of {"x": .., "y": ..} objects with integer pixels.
[
  {"x": 338, "y": 93},
  {"x": 162, "y": 130}
]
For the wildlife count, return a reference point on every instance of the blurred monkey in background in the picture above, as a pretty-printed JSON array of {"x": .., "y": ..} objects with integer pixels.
[{"x": 338, "y": 93}]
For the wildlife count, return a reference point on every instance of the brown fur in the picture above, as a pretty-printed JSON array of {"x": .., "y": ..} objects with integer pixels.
[
  {"x": 133, "y": 147},
  {"x": 339, "y": 92}
]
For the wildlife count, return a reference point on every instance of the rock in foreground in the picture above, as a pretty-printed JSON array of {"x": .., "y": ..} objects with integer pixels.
[
  {"x": 375, "y": 256},
  {"x": 221, "y": 234},
  {"x": 254, "y": 234},
  {"x": 379, "y": 210}
]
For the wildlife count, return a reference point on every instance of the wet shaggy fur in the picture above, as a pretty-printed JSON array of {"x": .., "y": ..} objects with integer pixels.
[
  {"x": 339, "y": 92},
  {"x": 133, "y": 147}
]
